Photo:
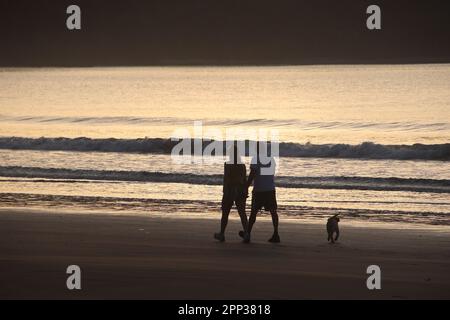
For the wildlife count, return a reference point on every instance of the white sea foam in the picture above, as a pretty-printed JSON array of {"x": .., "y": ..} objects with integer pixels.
[{"x": 348, "y": 183}]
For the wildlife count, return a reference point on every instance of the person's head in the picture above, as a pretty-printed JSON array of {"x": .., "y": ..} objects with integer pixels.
[
  {"x": 234, "y": 155},
  {"x": 262, "y": 155}
]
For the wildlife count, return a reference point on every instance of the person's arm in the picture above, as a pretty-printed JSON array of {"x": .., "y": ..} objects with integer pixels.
[{"x": 225, "y": 175}]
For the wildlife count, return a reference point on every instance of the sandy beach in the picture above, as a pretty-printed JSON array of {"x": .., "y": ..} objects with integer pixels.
[{"x": 176, "y": 258}]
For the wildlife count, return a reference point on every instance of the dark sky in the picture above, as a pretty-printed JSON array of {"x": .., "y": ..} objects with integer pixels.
[{"x": 138, "y": 32}]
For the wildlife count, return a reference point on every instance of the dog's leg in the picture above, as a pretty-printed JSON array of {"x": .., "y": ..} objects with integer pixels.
[{"x": 337, "y": 235}]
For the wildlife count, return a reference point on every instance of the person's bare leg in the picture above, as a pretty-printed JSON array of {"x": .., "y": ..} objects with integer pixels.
[
  {"x": 243, "y": 216},
  {"x": 224, "y": 221},
  {"x": 243, "y": 233},
  {"x": 252, "y": 220},
  {"x": 223, "y": 225},
  {"x": 274, "y": 215},
  {"x": 275, "y": 237}
]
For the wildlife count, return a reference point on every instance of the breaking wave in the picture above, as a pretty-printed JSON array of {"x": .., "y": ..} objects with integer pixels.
[{"x": 366, "y": 150}]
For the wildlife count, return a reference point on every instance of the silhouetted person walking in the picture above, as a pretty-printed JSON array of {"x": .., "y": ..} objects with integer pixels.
[
  {"x": 235, "y": 191},
  {"x": 263, "y": 195}
]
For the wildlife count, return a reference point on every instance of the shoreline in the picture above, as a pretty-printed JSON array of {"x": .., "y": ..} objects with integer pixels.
[
  {"x": 215, "y": 216},
  {"x": 147, "y": 257}
]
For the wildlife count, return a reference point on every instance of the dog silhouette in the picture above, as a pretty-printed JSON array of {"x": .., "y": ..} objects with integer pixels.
[{"x": 333, "y": 227}]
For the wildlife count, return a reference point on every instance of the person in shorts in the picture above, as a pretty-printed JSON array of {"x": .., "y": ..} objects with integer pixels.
[
  {"x": 263, "y": 194},
  {"x": 235, "y": 191}
]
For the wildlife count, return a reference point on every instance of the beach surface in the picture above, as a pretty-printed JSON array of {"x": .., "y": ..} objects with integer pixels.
[{"x": 137, "y": 256}]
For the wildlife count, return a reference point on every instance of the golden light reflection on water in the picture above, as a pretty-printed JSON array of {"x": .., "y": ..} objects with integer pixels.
[{"x": 321, "y": 104}]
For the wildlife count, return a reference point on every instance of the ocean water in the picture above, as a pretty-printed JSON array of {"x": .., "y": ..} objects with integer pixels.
[{"x": 369, "y": 142}]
